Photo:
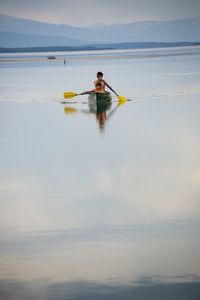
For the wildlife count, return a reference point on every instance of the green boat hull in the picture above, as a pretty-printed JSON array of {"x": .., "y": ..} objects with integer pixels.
[
  {"x": 100, "y": 96},
  {"x": 99, "y": 102}
]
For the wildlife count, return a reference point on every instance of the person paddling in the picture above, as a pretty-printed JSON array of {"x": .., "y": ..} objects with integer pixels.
[
  {"x": 98, "y": 89},
  {"x": 102, "y": 82},
  {"x": 100, "y": 85}
]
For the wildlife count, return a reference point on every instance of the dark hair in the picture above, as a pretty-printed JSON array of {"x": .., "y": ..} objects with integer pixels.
[{"x": 99, "y": 74}]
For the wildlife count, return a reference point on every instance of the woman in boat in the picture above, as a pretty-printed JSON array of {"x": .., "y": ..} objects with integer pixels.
[
  {"x": 102, "y": 82},
  {"x": 98, "y": 89},
  {"x": 100, "y": 85}
]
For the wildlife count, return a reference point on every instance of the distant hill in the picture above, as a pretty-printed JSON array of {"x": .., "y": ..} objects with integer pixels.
[
  {"x": 16, "y": 32},
  {"x": 12, "y": 39},
  {"x": 28, "y": 27},
  {"x": 97, "y": 47}
]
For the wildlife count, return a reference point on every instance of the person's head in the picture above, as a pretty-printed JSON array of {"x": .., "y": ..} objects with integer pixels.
[
  {"x": 99, "y": 75},
  {"x": 98, "y": 85}
]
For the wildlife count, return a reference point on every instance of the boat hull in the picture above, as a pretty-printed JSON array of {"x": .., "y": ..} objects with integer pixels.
[
  {"x": 99, "y": 102},
  {"x": 103, "y": 97}
]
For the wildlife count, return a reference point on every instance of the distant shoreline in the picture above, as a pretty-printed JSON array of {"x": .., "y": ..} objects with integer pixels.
[{"x": 116, "y": 46}]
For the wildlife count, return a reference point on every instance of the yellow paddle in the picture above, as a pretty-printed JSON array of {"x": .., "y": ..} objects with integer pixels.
[
  {"x": 70, "y": 94},
  {"x": 121, "y": 99}
]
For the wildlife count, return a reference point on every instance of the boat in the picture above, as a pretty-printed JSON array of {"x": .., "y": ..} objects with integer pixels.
[
  {"x": 51, "y": 57},
  {"x": 100, "y": 97},
  {"x": 99, "y": 102}
]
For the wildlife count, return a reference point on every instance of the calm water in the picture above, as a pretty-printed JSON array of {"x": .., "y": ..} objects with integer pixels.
[{"x": 100, "y": 204}]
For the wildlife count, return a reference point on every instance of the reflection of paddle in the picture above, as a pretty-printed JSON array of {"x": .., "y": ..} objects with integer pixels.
[
  {"x": 120, "y": 103},
  {"x": 70, "y": 110}
]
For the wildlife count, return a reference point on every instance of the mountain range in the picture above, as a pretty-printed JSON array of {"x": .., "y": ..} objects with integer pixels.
[{"x": 17, "y": 32}]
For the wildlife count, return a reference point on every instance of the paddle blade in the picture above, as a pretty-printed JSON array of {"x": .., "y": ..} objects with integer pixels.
[
  {"x": 69, "y": 94},
  {"x": 120, "y": 103},
  {"x": 121, "y": 99}
]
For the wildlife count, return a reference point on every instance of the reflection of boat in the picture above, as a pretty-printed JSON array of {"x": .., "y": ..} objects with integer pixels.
[
  {"x": 99, "y": 102},
  {"x": 99, "y": 105}
]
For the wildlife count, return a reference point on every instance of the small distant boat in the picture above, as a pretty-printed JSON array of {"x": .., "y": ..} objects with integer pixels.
[{"x": 51, "y": 57}]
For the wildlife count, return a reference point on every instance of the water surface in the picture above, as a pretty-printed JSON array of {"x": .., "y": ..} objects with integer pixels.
[{"x": 100, "y": 212}]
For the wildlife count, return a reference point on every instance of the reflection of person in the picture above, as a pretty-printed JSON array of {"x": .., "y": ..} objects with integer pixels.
[
  {"x": 102, "y": 106},
  {"x": 100, "y": 85},
  {"x": 101, "y": 118}
]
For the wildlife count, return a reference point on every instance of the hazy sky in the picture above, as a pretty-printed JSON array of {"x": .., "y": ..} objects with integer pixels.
[{"x": 87, "y": 12}]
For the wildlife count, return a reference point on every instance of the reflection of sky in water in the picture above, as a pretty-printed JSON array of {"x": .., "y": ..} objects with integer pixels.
[{"x": 100, "y": 215}]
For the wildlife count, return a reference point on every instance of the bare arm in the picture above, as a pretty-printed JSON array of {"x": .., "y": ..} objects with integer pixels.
[
  {"x": 87, "y": 92},
  {"x": 110, "y": 88}
]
